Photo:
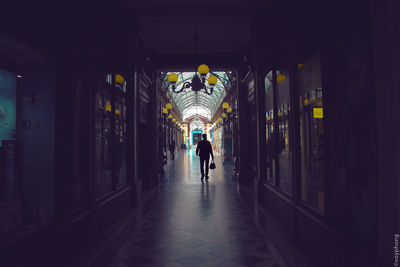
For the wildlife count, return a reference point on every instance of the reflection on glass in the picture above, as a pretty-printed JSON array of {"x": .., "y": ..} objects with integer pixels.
[
  {"x": 312, "y": 137},
  {"x": 120, "y": 159},
  {"x": 279, "y": 159},
  {"x": 110, "y": 144},
  {"x": 271, "y": 162},
  {"x": 7, "y": 134},
  {"x": 285, "y": 159},
  {"x": 103, "y": 159}
]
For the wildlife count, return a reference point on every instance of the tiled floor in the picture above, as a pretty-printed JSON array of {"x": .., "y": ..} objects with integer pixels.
[{"x": 197, "y": 224}]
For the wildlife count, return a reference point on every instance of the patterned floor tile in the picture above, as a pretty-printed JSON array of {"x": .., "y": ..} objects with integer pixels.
[{"x": 196, "y": 224}]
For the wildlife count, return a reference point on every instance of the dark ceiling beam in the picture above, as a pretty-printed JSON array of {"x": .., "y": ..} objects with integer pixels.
[
  {"x": 192, "y": 10},
  {"x": 189, "y": 62}
]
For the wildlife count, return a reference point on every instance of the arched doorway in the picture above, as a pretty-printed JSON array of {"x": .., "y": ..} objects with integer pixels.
[{"x": 197, "y": 128}]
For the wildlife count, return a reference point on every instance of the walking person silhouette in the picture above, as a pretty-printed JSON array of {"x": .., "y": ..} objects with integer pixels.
[{"x": 204, "y": 150}]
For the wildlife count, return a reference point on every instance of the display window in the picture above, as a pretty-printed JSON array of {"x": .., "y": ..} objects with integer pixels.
[
  {"x": 27, "y": 126},
  {"x": 279, "y": 159},
  {"x": 270, "y": 155},
  {"x": 312, "y": 134},
  {"x": 8, "y": 98},
  {"x": 110, "y": 136}
]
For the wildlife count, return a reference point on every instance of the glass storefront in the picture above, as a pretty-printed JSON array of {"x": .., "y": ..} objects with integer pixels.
[
  {"x": 121, "y": 168},
  {"x": 110, "y": 131},
  {"x": 312, "y": 134},
  {"x": 27, "y": 128},
  {"x": 279, "y": 155},
  {"x": 8, "y": 98},
  {"x": 284, "y": 149}
]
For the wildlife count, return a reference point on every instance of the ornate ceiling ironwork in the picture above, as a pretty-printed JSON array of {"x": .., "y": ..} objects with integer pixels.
[{"x": 189, "y": 102}]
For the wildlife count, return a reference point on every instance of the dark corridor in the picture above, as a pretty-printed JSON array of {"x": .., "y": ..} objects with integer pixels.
[{"x": 102, "y": 106}]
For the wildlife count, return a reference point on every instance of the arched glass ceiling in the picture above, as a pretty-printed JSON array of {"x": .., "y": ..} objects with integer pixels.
[
  {"x": 189, "y": 102},
  {"x": 196, "y": 110},
  {"x": 197, "y": 125}
]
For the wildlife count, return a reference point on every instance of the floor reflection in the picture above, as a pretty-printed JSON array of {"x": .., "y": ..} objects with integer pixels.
[{"x": 196, "y": 224}]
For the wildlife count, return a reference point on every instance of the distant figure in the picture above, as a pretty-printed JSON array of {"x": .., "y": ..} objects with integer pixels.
[
  {"x": 204, "y": 150},
  {"x": 172, "y": 149}
]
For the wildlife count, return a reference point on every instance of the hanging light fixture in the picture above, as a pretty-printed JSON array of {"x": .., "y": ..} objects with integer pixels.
[{"x": 198, "y": 82}]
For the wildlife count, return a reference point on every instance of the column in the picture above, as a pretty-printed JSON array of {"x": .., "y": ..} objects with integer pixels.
[
  {"x": 260, "y": 112},
  {"x": 386, "y": 49},
  {"x": 243, "y": 132}
]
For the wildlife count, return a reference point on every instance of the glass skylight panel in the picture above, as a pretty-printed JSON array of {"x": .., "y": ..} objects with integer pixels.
[
  {"x": 185, "y": 101},
  {"x": 196, "y": 110}
]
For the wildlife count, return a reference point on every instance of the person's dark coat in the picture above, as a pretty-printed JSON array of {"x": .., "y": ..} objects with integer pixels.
[{"x": 204, "y": 149}]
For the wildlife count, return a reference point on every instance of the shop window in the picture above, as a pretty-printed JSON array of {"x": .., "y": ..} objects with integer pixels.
[
  {"x": 279, "y": 155},
  {"x": 284, "y": 150},
  {"x": 121, "y": 168},
  {"x": 7, "y": 135},
  {"x": 270, "y": 143},
  {"x": 312, "y": 134},
  {"x": 19, "y": 160},
  {"x": 110, "y": 139}
]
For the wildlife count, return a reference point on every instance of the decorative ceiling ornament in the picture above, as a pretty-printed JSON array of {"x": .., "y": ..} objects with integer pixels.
[
  {"x": 198, "y": 82},
  {"x": 188, "y": 102}
]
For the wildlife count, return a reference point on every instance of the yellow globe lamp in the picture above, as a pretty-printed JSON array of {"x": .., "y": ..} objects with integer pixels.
[
  {"x": 117, "y": 112},
  {"x": 165, "y": 111},
  {"x": 229, "y": 110},
  {"x": 212, "y": 80},
  {"x": 203, "y": 69},
  {"x": 223, "y": 115},
  {"x": 169, "y": 106},
  {"x": 119, "y": 79},
  {"x": 108, "y": 107},
  {"x": 173, "y": 120},
  {"x": 280, "y": 78},
  {"x": 219, "y": 119},
  {"x": 170, "y": 116},
  {"x": 172, "y": 77},
  {"x": 225, "y": 105}
]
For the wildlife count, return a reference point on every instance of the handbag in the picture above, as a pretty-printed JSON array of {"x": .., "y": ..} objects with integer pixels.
[{"x": 212, "y": 165}]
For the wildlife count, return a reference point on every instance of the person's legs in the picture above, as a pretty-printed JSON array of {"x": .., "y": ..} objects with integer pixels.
[
  {"x": 207, "y": 160},
  {"x": 202, "y": 160}
]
